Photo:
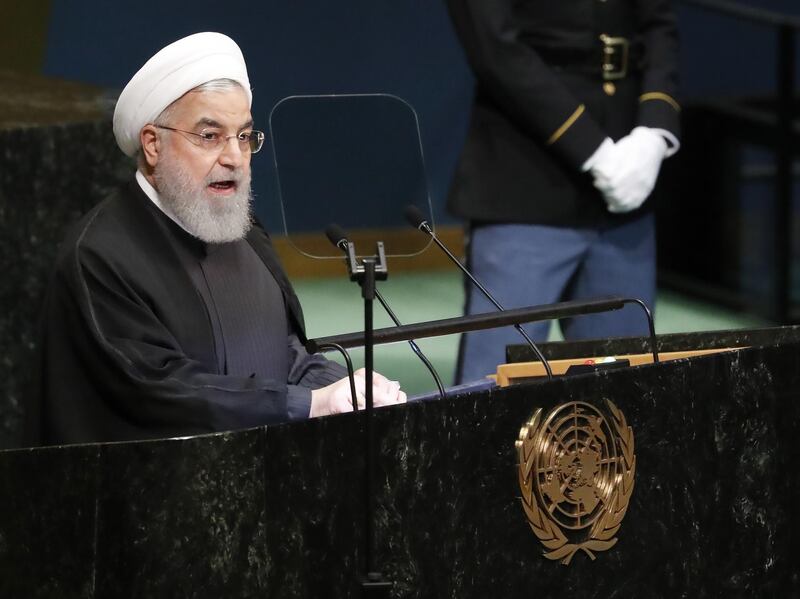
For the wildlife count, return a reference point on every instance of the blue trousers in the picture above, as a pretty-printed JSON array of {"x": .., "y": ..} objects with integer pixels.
[{"x": 528, "y": 265}]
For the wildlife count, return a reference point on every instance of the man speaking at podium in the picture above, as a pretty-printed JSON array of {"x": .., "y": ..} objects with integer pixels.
[{"x": 169, "y": 313}]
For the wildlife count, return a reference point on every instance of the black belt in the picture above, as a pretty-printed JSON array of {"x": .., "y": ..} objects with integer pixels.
[{"x": 612, "y": 58}]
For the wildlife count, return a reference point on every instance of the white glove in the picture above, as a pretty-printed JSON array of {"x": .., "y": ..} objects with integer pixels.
[
  {"x": 626, "y": 172},
  {"x": 335, "y": 398}
]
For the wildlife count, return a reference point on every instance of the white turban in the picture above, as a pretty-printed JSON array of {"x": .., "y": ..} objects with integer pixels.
[{"x": 173, "y": 71}]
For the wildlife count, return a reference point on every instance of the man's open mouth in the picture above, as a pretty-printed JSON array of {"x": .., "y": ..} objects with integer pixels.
[{"x": 223, "y": 185}]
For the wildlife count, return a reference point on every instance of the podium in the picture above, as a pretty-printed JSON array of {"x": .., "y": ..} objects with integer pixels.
[{"x": 277, "y": 511}]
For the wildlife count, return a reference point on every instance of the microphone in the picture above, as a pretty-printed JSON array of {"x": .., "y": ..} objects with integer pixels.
[
  {"x": 338, "y": 237},
  {"x": 418, "y": 221}
]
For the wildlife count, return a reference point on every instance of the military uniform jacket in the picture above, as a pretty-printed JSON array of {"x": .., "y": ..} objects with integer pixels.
[
  {"x": 541, "y": 107},
  {"x": 128, "y": 351}
]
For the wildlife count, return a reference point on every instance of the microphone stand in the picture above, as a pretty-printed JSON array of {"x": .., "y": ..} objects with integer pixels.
[
  {"x": 366, "y": 272},
  {"x": 337, "y": 236}
]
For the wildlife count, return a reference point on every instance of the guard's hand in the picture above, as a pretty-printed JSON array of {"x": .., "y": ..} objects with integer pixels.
[
  {"x": 336, "y": 398},
  {"x": 626, "y": 173}
]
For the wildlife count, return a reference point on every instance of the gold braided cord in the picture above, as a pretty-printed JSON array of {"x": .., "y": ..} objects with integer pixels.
[
  {"x": 661, "y": 96},
  {"x": 567, "y": 124}
]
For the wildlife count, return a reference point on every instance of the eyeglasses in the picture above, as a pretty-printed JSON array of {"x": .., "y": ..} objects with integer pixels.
[{"x": 249, "y": 141}]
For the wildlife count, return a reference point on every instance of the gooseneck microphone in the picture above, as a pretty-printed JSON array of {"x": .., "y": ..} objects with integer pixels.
[
  {"x": 418, "y": 221},
  {"x": 338, "y": 237}
]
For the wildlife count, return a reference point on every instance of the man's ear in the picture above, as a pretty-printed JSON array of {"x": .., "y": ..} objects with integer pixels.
[{"x": 151, "y": 144}]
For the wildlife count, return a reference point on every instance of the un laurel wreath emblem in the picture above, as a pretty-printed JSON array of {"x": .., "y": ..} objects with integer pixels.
[{"x": 576, "y": 471}]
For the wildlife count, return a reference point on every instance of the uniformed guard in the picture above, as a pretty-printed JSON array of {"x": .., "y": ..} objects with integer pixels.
[{"x": 574, "y": 112}]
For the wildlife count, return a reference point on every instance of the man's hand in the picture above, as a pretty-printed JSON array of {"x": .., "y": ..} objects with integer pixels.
[
  {"x": 626, "y": 172},
  {"x": 335, "y": 398}
]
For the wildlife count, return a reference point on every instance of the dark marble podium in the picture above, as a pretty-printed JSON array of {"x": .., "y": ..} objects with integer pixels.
[
  {"x": 58, "y": 158},
  {"x": 278, "y": 511}
]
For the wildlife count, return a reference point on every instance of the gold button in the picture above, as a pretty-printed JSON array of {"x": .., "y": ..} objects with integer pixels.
[{"x": 609, "y": 88}]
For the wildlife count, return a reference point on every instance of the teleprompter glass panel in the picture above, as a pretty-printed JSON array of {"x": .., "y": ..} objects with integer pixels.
[{"x": 352, "y": 160}]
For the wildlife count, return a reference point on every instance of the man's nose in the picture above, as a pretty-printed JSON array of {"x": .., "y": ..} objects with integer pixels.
[{"x": 231, "y": 155}]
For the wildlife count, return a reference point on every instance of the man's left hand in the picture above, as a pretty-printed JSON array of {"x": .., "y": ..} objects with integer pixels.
[{"x": 336, "y": 397}]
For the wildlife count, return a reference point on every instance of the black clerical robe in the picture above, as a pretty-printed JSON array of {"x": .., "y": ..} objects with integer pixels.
[{"x": 130, "y": 349}]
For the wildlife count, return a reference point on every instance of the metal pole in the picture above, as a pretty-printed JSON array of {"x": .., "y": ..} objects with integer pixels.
[
  {"x": 373, "y": 585},
  {"x": 368, "y": 290},
  {"x": 783, "y": 174}
]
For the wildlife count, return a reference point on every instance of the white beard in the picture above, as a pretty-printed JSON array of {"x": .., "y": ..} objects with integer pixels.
[{"x": 208, "y": 217}]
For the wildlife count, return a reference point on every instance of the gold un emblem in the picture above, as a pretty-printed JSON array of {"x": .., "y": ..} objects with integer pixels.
[{"x": 576, "y": 469}]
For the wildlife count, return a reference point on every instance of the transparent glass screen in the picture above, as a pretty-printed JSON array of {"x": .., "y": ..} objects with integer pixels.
[{"x": 353, "y": 160}]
